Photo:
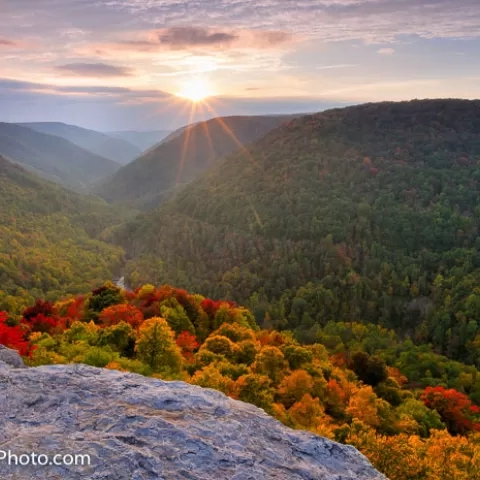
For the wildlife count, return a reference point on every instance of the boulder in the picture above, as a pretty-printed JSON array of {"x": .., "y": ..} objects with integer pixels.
[{"x": 11, "y": 357}]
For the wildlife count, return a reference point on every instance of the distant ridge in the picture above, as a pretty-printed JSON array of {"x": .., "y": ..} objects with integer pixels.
[
  {"x": 54, "y": 157},
  {"x": 190, "y": 151},
  {"x": 142, "y": 140},
  {"x": 118, "y": 149}
]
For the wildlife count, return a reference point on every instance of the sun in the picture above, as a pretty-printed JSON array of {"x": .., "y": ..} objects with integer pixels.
[{"x": 195, "y": 90}]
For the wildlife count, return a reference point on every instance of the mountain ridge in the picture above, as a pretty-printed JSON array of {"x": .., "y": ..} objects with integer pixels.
[
  {"x": 53, "y": 157},
  {"x": 150, "y": 178},
  {"x": 116, "y": 149}
]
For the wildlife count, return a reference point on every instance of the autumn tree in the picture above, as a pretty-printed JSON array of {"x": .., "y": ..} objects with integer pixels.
[
  {"x": 211, "y": 377},
  {"x": 101, "y": 298},
  {"x": 221, "y": 346},
  {"x": 364, "y": 405},
  {"x": 271, "y": 362},
  {"x": 256, "y": 389},
  {"x": 455, "y": 408},
  {"x": 121, "y": 313},
  {"x": 297, "y": 356},
  {"x": 41, "y": 317},
  {"x": 294, "y": 386},
  {"x": 120, "y": 337},
  {"x": 307, "y": 412},
  {"x": 188, "y": 344},
  {"x": 156, "y": 346},
  {"x": 13, "y": 336}
]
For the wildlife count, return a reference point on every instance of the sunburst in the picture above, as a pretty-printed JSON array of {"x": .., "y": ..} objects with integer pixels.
[{"x": 196, "y": 90}]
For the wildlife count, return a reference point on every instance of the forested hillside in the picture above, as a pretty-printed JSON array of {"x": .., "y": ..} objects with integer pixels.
[
  {"x": 48, "y": 244},
  {"x": 117, "y": 149},
  {"x": 359, "y": 393},
  {"x": 54, "y": 157},
  {"x": 366, "y": 214},
  {"x": 150, "y": 178}
]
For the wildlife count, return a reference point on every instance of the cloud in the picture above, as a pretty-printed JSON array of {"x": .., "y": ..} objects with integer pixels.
[
  {"x": 182, "y": 37},
  {"x": 94, "y": 70},
  {"x": 194, "y": 39},
  {"x": 5, "y": 42},
  {"x": 376, "y": 21},
  {"x": 330, "y": 67},
  {"x": 327, "y": 20},
  {"x": 386, "y": 51},
  {"x": 271, "y": 39},
  {"x": 7, "y": 84}
]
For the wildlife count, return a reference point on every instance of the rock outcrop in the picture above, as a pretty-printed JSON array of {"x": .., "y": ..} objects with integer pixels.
[
  {"x": 11, "y": 357},
  {"x": 138, "y": 428}
]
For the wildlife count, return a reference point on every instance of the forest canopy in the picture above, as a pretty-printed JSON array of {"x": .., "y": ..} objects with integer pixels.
[{"x": 427, "y": 429}]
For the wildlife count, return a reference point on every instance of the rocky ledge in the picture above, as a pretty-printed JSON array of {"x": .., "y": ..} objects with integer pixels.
[{"x": 137, "y": 428}]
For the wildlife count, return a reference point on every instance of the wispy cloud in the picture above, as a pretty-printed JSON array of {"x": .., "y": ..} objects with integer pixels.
[
  {"x": 327, "y": 20},
  {"x": 184, "y": 37},
  {"x": 386, "y": 51},
  {"x": 93, "y": 70},
  {"x": 331, "y": 67},
  {"x": 5, "y": 42},
  {"x": 7, "y": 84},
  {"x": 195, "y": 39}
]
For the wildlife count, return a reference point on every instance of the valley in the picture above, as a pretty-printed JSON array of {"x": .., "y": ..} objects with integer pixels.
[{"x": 327, "y": 271}]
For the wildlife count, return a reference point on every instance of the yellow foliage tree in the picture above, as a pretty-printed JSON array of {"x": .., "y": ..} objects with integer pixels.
[{"x": 156, "y": 346}]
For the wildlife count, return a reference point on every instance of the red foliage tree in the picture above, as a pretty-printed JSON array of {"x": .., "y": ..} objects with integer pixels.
[
  {"x": 121, "y": 313},
  {"x": 210, "y": 307},
  {"x": 41, "y": 307},
  {"x": 188, "y": 343},
  {"x": 41, "y": 317},
  {"x": 75, "y": 309},
  {"x": 455, "y": 409},
  {"x": 13, "y": 337},
  {"x": 42, "y": 323}
]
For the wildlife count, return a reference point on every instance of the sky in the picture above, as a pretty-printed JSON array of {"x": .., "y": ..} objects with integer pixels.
[{"x": 131, "y": 64}]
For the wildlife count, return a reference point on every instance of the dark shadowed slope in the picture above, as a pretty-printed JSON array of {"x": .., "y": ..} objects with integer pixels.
[
  {"x": 377, "y": 205},
  {"x": 142, "y": 140},
  {"x": 117, "y": 149},
  {"x": 146, "y": 180},
  {"x": 47, "y": 239},
  {"x": 54, "y": 157}
]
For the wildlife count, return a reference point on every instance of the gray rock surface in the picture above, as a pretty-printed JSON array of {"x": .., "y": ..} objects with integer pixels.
[
  {"x": 137, "y": 428},
  {"x": 11, "y": 357}
]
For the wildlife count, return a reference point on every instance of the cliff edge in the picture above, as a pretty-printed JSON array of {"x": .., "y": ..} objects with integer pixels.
[{"x": 138, "y": 428}]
